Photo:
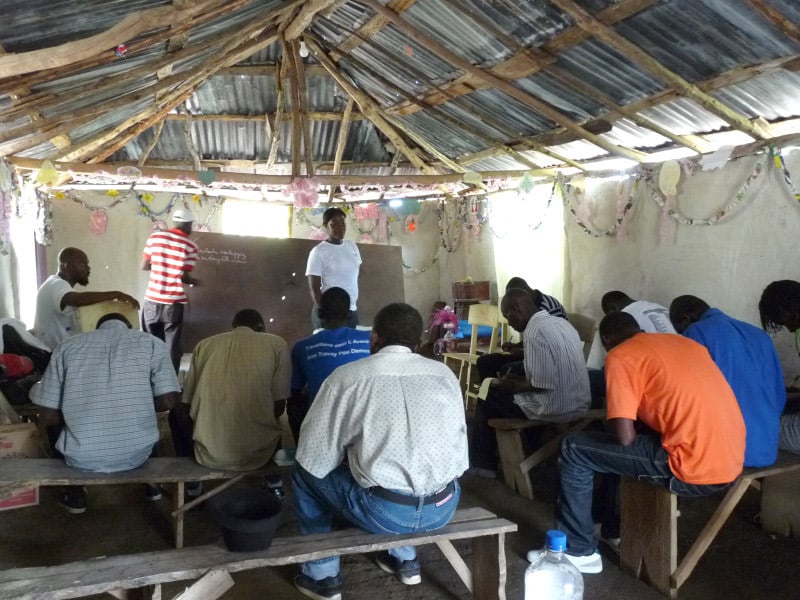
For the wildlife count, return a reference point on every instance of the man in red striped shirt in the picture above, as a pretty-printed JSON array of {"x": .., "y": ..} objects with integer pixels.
[{"x": 170, "y": 257}]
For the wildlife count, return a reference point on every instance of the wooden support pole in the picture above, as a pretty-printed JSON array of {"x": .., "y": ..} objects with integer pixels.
[
  {"x": 774, "y": 16},
  {"x": 308, "y": 143},
  {"x": 280, "y": 102},
  {"x": 297, "y": 124},
  {"x": 341, "y": 143}
]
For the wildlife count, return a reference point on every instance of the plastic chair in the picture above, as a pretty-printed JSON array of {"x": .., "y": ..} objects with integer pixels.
[{"x": 479, "y": 315}]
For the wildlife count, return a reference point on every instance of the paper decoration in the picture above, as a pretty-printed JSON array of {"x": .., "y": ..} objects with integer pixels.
[
  {"x": 410, "y": 225},
  {"x": 366, "y": 211},
  {"x": 129, "y": 171},
  {"x": 98, "y": 220},
  {"x": 120, "y": 50},
  {"x": 47, "y": 173},
  {"x": 668, "y": 177},
  {"x": 206, "y": 177},
  {"x": 526, "y": 184},
  {"x": 303, "y": 191}
]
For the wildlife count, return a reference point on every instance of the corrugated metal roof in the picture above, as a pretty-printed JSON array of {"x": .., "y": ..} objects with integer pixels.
[{"x": 698, "y": 39}]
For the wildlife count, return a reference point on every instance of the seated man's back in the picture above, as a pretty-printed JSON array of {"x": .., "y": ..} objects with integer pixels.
[
  {"x": 104, "y": 383},
  {"x": 746, "y": 356},
  {"x": 232, "y": 386}
]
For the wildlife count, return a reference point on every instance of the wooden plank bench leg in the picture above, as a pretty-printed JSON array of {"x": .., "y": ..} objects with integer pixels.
[
  {"x": 489, "y": 567},
  {"x": 710, "y": 531},
  {"x": 455, "y": 560},
  {"x": 649, "y": 534},
  {"x": 178, "y": 513},
  {"x": 509, "y": 446}
]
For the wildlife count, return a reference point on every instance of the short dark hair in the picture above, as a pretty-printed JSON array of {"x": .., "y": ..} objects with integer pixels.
[
  {"x": 334, "y": 305},
  {"x": 113, "y": 317},
  {"x": 614, "y": 301},
  {"x": 778, "y": 297},
  {"x": 398, "y": 324},
  {"x": 618, "y": 324},
  {"x": 687, "y": 307},
  {"x": 518, "y": 283},
  {"x": 518, "y": 297},
  {"x": 330, "y": 213},
  {"x": 248, "y": 317}
]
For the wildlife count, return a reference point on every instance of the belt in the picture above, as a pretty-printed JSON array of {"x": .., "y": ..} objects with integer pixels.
[{"x": 397, "y": 498}]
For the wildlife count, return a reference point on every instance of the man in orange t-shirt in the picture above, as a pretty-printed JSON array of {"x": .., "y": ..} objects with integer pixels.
[{"x": 695, "y": 442}]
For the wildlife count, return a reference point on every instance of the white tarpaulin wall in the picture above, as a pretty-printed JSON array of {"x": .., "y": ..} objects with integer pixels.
[{"x": 727, "y": 263}]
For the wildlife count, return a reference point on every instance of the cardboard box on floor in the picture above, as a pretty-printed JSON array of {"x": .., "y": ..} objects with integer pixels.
[
  {"x": 19, "y": 441},
  {"x": 780, "y": 511}
]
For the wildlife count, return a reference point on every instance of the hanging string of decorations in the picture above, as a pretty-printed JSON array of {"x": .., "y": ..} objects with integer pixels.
[
  {"x": 581, "y": 220},
  {"x": 43, "y": 232},
  {"x": 780, "y": 164},
  {"x": 451, "y": 229},
  {"x": 9, "y": 196},
  {"x": 674, "y": 213},
  {"x": 415, "y": 270}
]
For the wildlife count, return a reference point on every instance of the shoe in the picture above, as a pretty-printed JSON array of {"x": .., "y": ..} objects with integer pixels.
[
  {"x": 407, "y": 571},
  {"x": 329, "y": 588},
  {"x": 74, "y": 501},
  {"x": 591, "y": 564},
  {"x": 152, "y": 493},
  {"x": 277, "y": 491}
]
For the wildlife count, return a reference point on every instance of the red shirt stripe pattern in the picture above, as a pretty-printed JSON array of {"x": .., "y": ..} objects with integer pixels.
[{"x": 170, "y": 253}]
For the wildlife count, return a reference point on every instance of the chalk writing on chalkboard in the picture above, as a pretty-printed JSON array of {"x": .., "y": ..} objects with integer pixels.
[{"x": 223, "y": 256}]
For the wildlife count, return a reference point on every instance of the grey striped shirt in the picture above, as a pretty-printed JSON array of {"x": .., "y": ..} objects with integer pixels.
[{"x": 554, "y": 365}]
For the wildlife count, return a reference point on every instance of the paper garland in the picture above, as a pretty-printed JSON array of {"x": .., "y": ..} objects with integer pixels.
[
  {"x": 531, "y": 227},
  {"x": 722, "y": 213},
  {"x": 622, "y": 212}
]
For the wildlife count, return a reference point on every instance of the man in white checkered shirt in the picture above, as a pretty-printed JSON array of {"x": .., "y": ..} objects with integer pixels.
[{"x": 99, "y": 396}]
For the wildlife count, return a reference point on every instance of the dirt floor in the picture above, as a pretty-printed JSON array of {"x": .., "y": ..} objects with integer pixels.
[{"x": 743, "y": 562}]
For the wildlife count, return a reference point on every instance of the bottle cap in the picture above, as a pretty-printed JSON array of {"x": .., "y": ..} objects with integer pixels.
[{"x": 556, "y": 540}]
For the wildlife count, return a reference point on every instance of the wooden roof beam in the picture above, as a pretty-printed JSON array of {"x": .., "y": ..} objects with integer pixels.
[
  {"x": 503, "y": 85},
  {"x": 298, "y": 25},
  {"x": 369, "y": 108},
  {"x": 141, "y": 43},
  {"x": 190, "y": 175},
  {"x": 776, "y": 18},
  {"x": 517, "y": 68},
  {"x": 253, "y": 39},
  {"x": 341, "y": 142},
  {"x": 374, "y": 25},
  {"x": 630, "y": 50},
  {"x": 75, "y": 51},
  {"x": 311, "y": 116}
]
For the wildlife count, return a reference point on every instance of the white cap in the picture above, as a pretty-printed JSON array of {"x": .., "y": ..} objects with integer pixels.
[{"x": 183, "y": 216}]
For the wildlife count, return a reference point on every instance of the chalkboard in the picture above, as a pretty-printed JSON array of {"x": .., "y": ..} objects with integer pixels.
[{"x": 237, "y": 272}]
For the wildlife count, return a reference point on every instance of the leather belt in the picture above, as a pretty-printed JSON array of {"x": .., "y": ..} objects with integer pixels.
[{"x": 398, "y": 498}]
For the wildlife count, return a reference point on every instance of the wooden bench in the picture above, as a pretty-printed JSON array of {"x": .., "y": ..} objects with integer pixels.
[
  {"x": 516, "y": 466},
  {"x": 20, "y": 473},
  {"x": 136, "y": 571},
  {"x": 649, "y": 526}
]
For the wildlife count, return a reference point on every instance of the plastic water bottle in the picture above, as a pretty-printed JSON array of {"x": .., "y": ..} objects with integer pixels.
[{"x": 553, "y": 576}]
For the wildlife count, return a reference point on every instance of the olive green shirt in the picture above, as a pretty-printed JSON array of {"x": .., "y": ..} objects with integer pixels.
[{"x": 232, "y": 385}]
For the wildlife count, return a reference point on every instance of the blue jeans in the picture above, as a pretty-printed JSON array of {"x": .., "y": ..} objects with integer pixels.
[
  {"x": 318, "y": 500},
  {"x": 585, "y": 453}
]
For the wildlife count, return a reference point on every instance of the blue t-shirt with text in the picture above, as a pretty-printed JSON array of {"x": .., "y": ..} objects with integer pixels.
[{"x": 317, "y": 356}]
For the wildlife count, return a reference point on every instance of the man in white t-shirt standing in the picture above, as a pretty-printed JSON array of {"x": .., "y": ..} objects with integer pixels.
[
  {"x": 335, "y": 262},
  {"x": 56, "y": 301}
]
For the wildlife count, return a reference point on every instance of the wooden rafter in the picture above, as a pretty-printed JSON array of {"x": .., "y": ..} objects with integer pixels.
[
  {"x": 254, "y": 70},
  {"x": 137, "y": 45},
  {"x": 281, "y": 180},
  {"x": 630, "y": 50},
  {"x": 456, "y": 165},
  {"x": 517, "y": 67},
  {"x": 50, "y": 101},
  {"x": 311, "y": 116},
  {"x": 504, "y": 86},
  {"x": 303, "y": 19},
  {"x": 341, "y": 143},
  {"x": 370, "y": 109},
  {"x": 308, "y": 145},
  {"x": 110, "y": 141},
  {"x": 75, "y": 51},
  {"x": 373, "y": 26},
  {"x": 778, "y": 20}
]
